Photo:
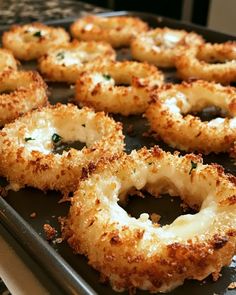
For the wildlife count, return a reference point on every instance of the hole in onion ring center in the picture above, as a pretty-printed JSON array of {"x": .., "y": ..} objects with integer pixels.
[
  {"x": 209, "y": 113},
  {"x": 162, "y": 210},
  {"x": 61, "y": 146}
]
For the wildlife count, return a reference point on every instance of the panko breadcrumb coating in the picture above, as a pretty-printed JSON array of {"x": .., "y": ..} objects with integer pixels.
[
  {"x": 135, "y": 253},
  {"x": 26, "y": 146}
]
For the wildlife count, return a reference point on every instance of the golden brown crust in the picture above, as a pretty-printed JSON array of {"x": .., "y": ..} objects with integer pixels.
[
  {"x": 118, "y": 31},
  {"x": 26, "y": 156},
  {"x": 27, "y": 92},
  {"x": 31, "y": 41},
  {"x": 100, "y": 88},
  {"x": 7, "y": 61},
  {"x": 211, "y": 62},
  {"x": 162, "y": 45},
  {"x": 169, "y": 118},
  {"x": 134, "y": 253},
  {"x": 67, "y": 62}
]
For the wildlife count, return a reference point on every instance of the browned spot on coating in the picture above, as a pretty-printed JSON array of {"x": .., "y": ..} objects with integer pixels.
[
  {"x": 229, "y": 201},
  {"x": 115, "y": 240},
  {"x": 219, "y": 242}
]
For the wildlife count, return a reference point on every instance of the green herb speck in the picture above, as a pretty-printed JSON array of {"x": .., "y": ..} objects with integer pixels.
[
  {"x": 56, "y": 138},
  {"x": 107, "y": 77},
  {"x": 193, "y": 166},
  {"x": 60, "y": 55},
  {"x": 29, "y": 138},
  {"x": 37, "y": 34}
]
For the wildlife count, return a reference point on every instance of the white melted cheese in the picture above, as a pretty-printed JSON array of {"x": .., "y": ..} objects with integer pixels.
[
  {"x": 216, "y": 122},
  {"x": 174, "y": 102},
  {"x": 99, "y": 78}
]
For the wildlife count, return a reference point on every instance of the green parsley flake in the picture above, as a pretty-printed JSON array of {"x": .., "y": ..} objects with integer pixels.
[
  {"x": 38, "y": 34},
  {"x": 60, "y": 55},
  {"x": 56, "y": 138},
  {"x": 107, "y": 77},
  {"x": 193, "y": 166},
  {"x": 28, "y": 139}
]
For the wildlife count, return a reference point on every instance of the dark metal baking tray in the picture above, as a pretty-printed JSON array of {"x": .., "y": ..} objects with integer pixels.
[{"x": 70, "y": 274}]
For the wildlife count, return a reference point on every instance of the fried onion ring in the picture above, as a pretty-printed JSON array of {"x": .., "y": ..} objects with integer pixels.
[
  {"x": 161, "y": 46},
  {"x": 26, "y": 146},
  {"x": 31, "y": 41},
  {"x": 66, "y": 62},
  {"x": 134, "y": 253},
  {"x": 168, "y": 116},
  {"x": 7, "y": 61},
  {"x": 211, "y": 62},
  {"x": 25, "y": 91},
  {"x": 100, "y": 88},
  {"x": 118, "y": 31}
]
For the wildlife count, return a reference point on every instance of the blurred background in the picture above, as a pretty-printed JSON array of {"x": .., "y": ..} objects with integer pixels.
[{"x": 216, "y": 14}]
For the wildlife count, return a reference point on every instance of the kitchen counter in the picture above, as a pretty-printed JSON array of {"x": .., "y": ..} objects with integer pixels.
[{"x": 14, "y": 11}]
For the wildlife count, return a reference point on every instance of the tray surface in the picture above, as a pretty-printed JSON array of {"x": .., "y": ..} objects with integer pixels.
[{"x": 47, "y": 208}]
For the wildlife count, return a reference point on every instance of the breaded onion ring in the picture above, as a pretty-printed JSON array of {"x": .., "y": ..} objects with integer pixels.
[
  {"x": 161, "y": 46},
  {"x": 212, "y": 62},
  {"x": 116, "y": 30},
  {"x": 168, "y": 116},
  {"x": 66, "y": 62},
  {"x": 26, "y": 146},
  {"x": 134, "y": 253},
  {"x": 31, "y": 41},
  {"x": 7, "y": 61},
  {"x": 25, "y": 91},
  {"x": 100, "y": 88}
]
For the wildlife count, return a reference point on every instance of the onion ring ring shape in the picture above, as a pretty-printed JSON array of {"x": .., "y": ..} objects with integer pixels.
[
  {"x": 162, "y": 45},
  {"x": 66, "y": 62},
  {"x": 20, "y": 92},
  {"x": 99, "y": 88},
  {"x": 31, "y": 41},
  {"x": 118, "y": 31},
  {"x": 211, "y": 62},
  {"x": 169, "y": 116},
  {"x": 27, "y": 145},
  {"x": 134, "y": 253},
  {"x": 7, "y": 61}
]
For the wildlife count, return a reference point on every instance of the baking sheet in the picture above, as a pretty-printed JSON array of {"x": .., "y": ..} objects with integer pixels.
[{"x": 72, "y": 273}]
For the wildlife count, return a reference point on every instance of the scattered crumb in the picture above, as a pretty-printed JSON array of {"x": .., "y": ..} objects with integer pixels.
[
  {"x": 3, "y": 191},
  {"x": 155, "y": 217},
  {"x": 184, "y": 207},
  {"x": 232, "y": 286},
  {"x": 33, "y": 215},
  {"x": 50, "y": 231},
  {"x": 64, "y": 198},
  {"x": 58, "y": 241},
  {"x": 216, "y": 276},
  {"x": 137, "y": 193}
]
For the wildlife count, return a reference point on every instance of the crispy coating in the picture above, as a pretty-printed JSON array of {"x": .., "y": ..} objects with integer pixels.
[
  {"x": 103, "y": 88},
  {"x": 31, "y": 41},
  {"x": 66, "y": 62},
  {"x": 26, "y": 146},
  {"x": 24, "y": 91},
  {"x": 161, "y": 46},
  {"x": 211, "y": 62},
  {"x": 168, "y": 116},
  {"x": 134, "y": 253},
  {"x": 7, "y": 61},
  {"x": 118, "y": 31}
]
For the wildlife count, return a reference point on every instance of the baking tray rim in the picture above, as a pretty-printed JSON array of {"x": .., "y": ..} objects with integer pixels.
[{"x": 19, "y": 229}]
